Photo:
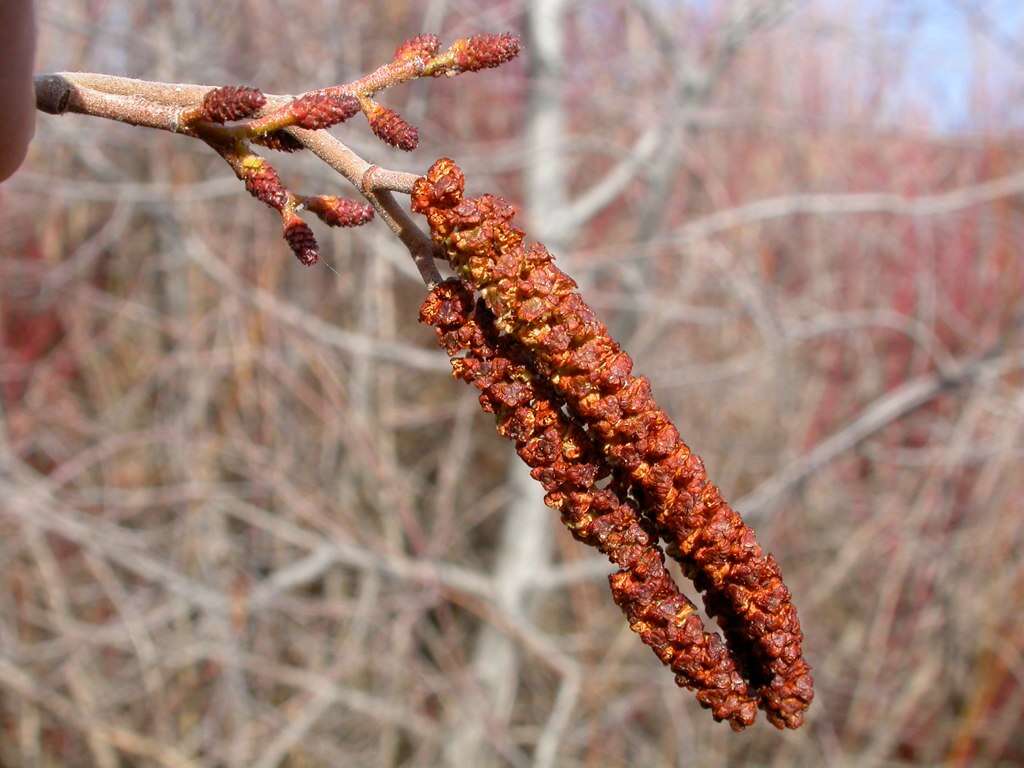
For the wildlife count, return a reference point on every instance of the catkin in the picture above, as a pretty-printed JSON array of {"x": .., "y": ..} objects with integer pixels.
[
  {"x": 538, "y": 304},
  {"x": 563, "y": 458}
]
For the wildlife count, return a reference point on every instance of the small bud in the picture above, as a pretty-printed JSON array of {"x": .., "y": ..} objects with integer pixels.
[
  {"x": 263, "y": 183},
  {"x": 231, "y": 102},
  {"x": 279, "y": 141},
  {"x": 485, "y": 51},
  {"x": 423, "y": 46},
  {"x": 301, "y": 240},
  {"x": 390, "y": 128},
  {"x": 322, "y": 109},
  {"x": 338, "y": 211}
]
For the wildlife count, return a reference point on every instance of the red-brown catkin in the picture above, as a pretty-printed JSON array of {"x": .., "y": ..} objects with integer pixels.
[
  {"x": 538, "y": 304},
  {"x": 280, "y": 141},
  {"x": 322, "y": 109},
  {"x": 263, "y": 183},
  {"x": 423, "y": 46},
  {"x": 391, "y": 128},
  {"x": 231, "y": 102},
  {"x": 339, "y": 211},
  {"x": 485, "y": 51},
  {"x": 566, "y": 462},
  {"x": 302, "y": 241}
]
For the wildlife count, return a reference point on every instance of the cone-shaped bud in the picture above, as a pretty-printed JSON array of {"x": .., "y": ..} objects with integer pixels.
[
  {"x": 338, "y": 211},
  {"x": 301, "y": 240},
  {"x": 263, "y": 183},
  {"x": 322, "y": 109},
  {"x": 423, "y": 46},
  {"x": 279, "y": 141},
  {"x": 231, "y": 102},
  {"x": 485, "y": 51},
  {"x": 391, "y": 128}
]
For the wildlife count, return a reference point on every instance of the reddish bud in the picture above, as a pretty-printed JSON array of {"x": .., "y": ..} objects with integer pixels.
[
  {"x": 339, "y": 212},
  {"x": 279, "y": 141},
  {"x": 263, "y": 183},
  {"x": 423, "y": 46},
  {"x": 391, "y": 128},
  {"x": 231, "y": 102},
  {"x": 485, "y": 51},
  {"x": 322, "y": 109},
  {"x": 301, "y": 240}
]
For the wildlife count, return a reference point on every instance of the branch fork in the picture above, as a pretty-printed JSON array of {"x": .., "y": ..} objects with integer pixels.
[{"x": 232, "y": 119}]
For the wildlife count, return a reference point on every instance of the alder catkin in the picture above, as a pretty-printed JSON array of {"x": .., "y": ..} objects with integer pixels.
[
  {"x": 339, "y": 211},
  {"x": 279, "y": 141},
  {"x": 391, "y": 128},
  {"x": 301, "y": 240},
  {"x": 538, "y": 304},
  {"x": 231, "y": 102},
  {"x": 565, "y": 461},
  {"x": 322, "y": 109},
  {"x": 423, "y": 46},
  {"x": 485, "y": 51},
  {"x": 263, "y": 183}
]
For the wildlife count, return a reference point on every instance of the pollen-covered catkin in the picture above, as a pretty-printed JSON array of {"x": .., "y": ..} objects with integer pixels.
[
  {"x": 568, "y": 465},
  {"x": 538, "y": 304}
]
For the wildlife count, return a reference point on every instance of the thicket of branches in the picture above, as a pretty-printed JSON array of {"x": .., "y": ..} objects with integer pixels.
[{"x": 249, "y": 520}]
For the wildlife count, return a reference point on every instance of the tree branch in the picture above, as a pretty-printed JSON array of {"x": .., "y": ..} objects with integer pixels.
[{"x": 289, "y": 123}]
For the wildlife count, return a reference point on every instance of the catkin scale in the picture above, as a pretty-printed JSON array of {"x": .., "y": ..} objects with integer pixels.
[
  {"x": 565, "y": 461},
  {"x": 537, "y": 304}
]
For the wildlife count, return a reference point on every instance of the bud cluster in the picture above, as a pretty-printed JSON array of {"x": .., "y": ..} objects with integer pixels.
[
  {"x": 315, "y": 110},
  {"x": 538, "y": 305}
]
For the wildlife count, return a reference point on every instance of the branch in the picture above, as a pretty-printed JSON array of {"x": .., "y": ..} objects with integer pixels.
[
  {"x": 291, "y": 123},
  {"x": 885, "y": 410}
]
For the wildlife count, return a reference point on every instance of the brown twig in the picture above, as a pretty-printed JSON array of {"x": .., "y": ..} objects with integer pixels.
[{"x": 288, "y": 123}]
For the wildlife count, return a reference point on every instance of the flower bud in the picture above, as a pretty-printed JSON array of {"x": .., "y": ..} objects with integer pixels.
[
  {"x": 390, "y": 128},
  {"x": 279, "y": 141},
  {"x": 423, "y": 46},
  {"x": 231, "y": 102},
  {"x": 263, "y": 183},
  {"x": 301, "y": 240},
  {"x": 339, "y": 211},
  {"x": 485, "y": 51},
  {"x": 322, "y": 109}
]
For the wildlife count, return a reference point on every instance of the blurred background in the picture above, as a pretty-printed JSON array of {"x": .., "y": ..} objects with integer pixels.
[{"x": 247, "y": 519}]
